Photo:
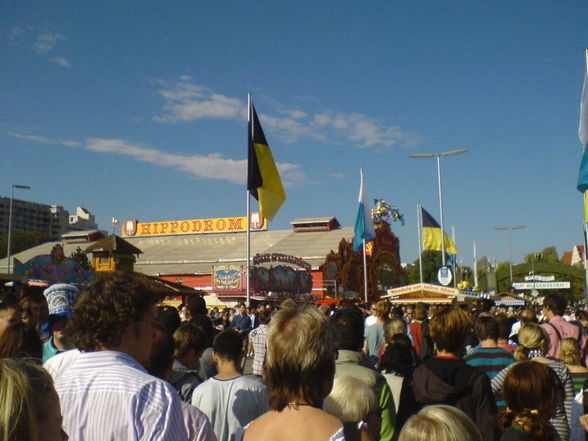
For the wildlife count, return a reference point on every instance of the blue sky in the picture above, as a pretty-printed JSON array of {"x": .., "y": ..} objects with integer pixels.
[{"x": 137, "y": 110}]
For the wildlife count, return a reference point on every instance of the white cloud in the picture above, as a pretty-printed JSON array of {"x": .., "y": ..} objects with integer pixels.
[
  {"x": 47, "y": 41},
  {"x": 15, "y": 32},
  {"x": 185, "y": 101},
  {"x": 61, "y": 61},
  {"x": 188, "y": 102},
  {"x": 44, "y": 140},
  {"x": 211, "y": 166},
  {"x": 336, "y": 175}
]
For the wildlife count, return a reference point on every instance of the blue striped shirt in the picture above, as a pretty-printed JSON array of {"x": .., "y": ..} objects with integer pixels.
[{"x": 108, "y": 395}]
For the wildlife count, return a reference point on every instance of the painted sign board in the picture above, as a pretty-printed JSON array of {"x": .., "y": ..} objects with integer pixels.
[
  {"x": 134, "y": 228},
  {"x": 227, "y": 277}
]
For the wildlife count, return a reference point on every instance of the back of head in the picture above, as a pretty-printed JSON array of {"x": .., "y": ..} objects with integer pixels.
[
  {"x": 228, "y": 345},
  {"x": 350, "y": 400},
  {"x": 24, "y": 392},
  {"x": 393, "y": 327},
  {"x": 449, "y": 329},
  {"x": 528, "y": 316},
  {"x": 530, "y": 391},
  {"x": 349, "y": 327},
  {"x": 169, "y": 318},
  {"x": 486, "y": 328},
  {"x": 189, "y": 337},
  {"x": 440, "y": 423},
  {"x": 196, "y": 305},
  {"x": 107, "y": 307},
  {"x": 300, "y": 363},
  {"x": 531, "y": 336},
  {"x": 504, "y": 326},
  {"x": 398, "y": 358},
  {"x": 569, "y": 351},
  {"x": 555, "y": 302},
  {"x": 264, "y": 316},
  {"x": 383, "y": 309}
]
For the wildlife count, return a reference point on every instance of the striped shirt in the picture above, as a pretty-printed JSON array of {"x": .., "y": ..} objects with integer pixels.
[
  {"x": 491, "y": 361},
  {"x": 258, "y": 338},
  {"x": 108, "y": 395}
]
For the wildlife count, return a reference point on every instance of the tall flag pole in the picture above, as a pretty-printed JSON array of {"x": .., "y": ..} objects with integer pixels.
[
  {"x": 263, "y": 179},
  {"x": 583, "y": 173},
  {"x": 454, "y": 258},
  {"x": 420, "y": 240},
  {"x": 475, "y": 268},
  {"x": 364, "y": 230}
]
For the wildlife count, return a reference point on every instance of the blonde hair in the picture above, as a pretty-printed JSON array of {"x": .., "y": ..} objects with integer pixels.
[
  {"x": 350, "y": 399},
  {"x": 24, "y": 388},
  {"x": 382, "y": 309},
  {"x": 440, "y": 423},
  {"x": 393, "y": 327},
  {"x": 300, "y": 358},
  {"x": 569, "y": 351},
  {"x": 531, "y": 336}
]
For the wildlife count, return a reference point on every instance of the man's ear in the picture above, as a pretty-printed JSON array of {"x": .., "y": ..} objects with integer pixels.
[{"x": 215, "y": 357}]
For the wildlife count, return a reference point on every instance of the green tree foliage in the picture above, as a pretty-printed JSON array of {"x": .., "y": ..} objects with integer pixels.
[
  {"x": 547, "y": 255},
  {"x": 21, "y": 240},
  {"x": 82, "y": 258},
  {"x": 431, "y": 264}
]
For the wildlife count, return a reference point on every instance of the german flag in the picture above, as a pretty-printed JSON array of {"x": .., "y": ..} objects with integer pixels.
[
  {"x": 263, "y": 179},
  {"x": 432, "y": 235}
]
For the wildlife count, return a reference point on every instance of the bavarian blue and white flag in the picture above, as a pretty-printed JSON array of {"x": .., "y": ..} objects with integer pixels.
[
  {"x": 583, "y": 133},
  {"x": 364, "y": 227}
]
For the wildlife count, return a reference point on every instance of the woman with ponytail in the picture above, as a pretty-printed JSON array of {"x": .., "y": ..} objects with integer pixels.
[
  {"x": 530, "y": 391},
  {"x": 534, "y": 343}
]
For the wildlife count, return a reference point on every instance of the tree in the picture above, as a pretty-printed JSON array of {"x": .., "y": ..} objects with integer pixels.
[
  {"x": 82, "y": 258},
  {"x": 431, "y": 264},
  {"x": 547, "y": 255},
  {"x": 21, "y": 240}
]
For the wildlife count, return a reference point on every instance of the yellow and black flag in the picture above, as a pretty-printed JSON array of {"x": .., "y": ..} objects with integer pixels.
[
  {"x": 263, "y": 179},
  {"x": 432, "y": 235}
]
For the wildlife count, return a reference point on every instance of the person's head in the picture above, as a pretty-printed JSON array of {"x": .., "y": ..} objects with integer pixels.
[
  {"x": 420, "y": 311},
  {"x": 582, "y": 317},
  {"x": 528, "y": 316},
  {"x": 409, "y": 312},
  {"x": 300, "y": 359},
  {"x": 241, "y": 308},
  {"x": 189, "y": 343},
  {"x": 531, "y": 336},
  {"x": 530, "y": 391},
  {"x": 393, "y": 327},
  {"x": 398, "y": 358},
  {"x": 449, "y": 329},
  {"x": 349, "y": 328},
  {"x": 264, "y": 316},
  {"x": 350, "y": 400},
  {"x": 440, "y": 423},
  {"x": 29, "y": 405},
  {"x": 196, "y": 306},
  {"x": 169, "y": 318},
  {"x": 486, "y": 328},
  {"x": 554, "y": 304},
  {"x": 9, "y": 312},
  {"x": 382, "y": 310},
  {"x": 25, "y": 311},
  {"x": 228, "y": 346},
  {"x": 39, "y": 307},
  {"x": 116, "y": 311},
  {"x": 569, "y": 351}
]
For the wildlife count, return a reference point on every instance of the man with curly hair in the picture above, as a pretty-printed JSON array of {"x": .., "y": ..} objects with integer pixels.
[{"x": 106, "y": 393}]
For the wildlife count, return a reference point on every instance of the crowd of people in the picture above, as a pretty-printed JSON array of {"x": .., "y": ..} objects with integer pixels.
[{"x": 110, "y": 362}]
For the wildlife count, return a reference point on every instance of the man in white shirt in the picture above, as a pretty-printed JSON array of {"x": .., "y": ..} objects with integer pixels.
[
  {"x": 230, "y": 399},
  {"x": 106, "y": 394}
]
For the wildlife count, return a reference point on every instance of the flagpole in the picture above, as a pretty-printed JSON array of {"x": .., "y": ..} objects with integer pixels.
[
  {"x": 248, "y": 268},
  {"x": 475, "y": 267},
  {"x": 454, "y": 258},
  {"x": 420, "y": 239},
  {"x": 365, "y": 280},
  {"x": 585, "y": 192}
]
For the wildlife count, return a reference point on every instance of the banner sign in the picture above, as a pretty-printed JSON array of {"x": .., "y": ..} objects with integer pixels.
[
  {"x": 283, "y": 258},
  {"x": 227, "y": 277},
  {"x": 133, "y": 228},
  {"x": 394, "y": 292},
  {"x": 53, "y": 268},
  {"x": 280, "y": 279},
  {"x": 541, "y": 285},
  {"x": 540, "y": 278}
]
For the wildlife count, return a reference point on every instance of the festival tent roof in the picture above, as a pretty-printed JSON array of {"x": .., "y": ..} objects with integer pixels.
[{"x": 426, "y": 293}]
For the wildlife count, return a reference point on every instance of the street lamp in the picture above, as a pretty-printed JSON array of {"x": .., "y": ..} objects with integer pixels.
[
  {"x": 510, "y": 228},
  {"x": 438, "y": 156},
  {"x": 18, "y": 187}
]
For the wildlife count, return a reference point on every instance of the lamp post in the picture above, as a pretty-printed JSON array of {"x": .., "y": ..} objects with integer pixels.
[
  {"x": 438, "y": 156},
  {"x": 510, "y": 228},
  {"x": 18, "y": 187}
]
